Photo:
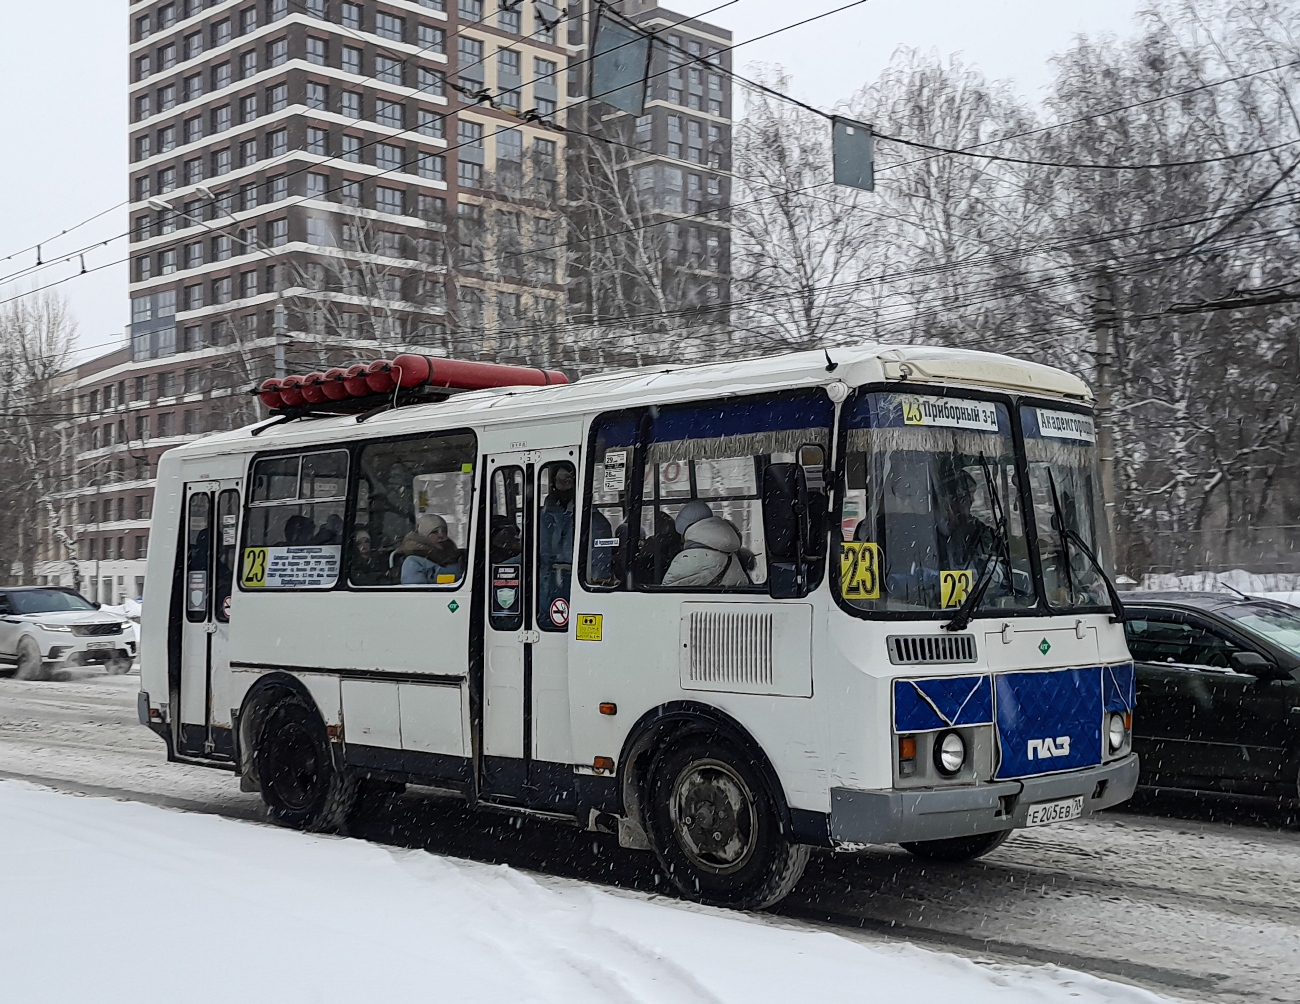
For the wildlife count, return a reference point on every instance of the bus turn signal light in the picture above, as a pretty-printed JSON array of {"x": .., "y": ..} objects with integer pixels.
[
  {"x": 608, "y": 708},
  {"x": 907, "y": 747},
  {"x": 603, "y": 764}
]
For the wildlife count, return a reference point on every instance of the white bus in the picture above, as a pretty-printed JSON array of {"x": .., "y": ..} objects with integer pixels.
[{"x": 729, "y": 612}]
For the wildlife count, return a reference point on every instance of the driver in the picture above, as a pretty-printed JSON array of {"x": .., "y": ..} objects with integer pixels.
[{"x": 964, "y": 540}]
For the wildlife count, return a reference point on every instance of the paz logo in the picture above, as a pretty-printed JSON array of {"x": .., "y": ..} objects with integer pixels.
[{"x": 1044, "y": 646}]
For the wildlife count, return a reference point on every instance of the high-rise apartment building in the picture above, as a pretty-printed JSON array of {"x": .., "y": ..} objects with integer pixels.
[{"x": 661, "y": 183}]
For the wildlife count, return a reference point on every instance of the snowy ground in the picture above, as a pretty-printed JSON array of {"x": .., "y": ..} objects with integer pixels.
[
  {"x": 154, "y": 904},
  {"x": 1193, "y": 908}
]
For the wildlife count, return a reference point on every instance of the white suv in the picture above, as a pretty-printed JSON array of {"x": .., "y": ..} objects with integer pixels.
[{"x": 43, "y": 627}]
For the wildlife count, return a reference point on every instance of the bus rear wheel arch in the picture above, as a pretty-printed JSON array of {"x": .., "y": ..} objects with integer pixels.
[
  {"x": 717, "y": 826},
  {"x": 301, "y": 783}
]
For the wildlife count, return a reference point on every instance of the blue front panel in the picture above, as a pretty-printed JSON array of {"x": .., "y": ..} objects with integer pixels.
[
  {"x": 1120, "y": 687},
  {"x": 942, "y": 702},
  {"x": 1048, "y": 722}
]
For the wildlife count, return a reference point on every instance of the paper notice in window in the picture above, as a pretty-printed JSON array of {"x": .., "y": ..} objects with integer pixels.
[
  {"x": 1066, "y": 425},
  {"x": 950, "y": 413},
  {"x": 615, "y": 470}
]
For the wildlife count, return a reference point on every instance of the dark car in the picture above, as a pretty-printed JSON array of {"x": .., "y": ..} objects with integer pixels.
[{"x": 1218, "y": 692}]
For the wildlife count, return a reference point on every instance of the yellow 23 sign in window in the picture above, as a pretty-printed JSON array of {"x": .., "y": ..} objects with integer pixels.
[{"x": 860, "y": 570}]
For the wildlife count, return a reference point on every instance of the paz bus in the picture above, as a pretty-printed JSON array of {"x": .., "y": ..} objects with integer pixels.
[{"x": 730, "y": 613}]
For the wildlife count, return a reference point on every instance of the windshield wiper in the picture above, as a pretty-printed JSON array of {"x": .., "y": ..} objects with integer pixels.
[
  {"x": 1070, "y": 536},
  {"x": 1001, "y": 552}
]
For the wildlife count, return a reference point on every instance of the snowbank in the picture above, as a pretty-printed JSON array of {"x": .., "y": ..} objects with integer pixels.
[
  {"x": 120, "y": 902},
  {"x": 1210, "y": 582}
]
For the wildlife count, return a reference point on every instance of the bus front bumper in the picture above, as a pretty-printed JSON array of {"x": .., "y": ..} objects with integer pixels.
[{"x": 898, "y": 816}]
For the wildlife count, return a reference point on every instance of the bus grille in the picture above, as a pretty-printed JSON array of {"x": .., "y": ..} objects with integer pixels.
[
  {"x": 930, "y": 649},
  {"x": 731, "y": 648}
]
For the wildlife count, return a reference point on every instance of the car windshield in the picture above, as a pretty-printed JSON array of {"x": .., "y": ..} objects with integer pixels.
[
  {"x": 1061, "y": 448},
  {"x": 930, "y": 499},
  {"x": 47, "y": 601},
  {"x": 1276, "y": 624}
]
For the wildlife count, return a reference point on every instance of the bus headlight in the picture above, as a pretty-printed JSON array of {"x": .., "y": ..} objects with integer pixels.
[
  {"x": 949, "y": 753},
  {"x": 1116, "y": 731}
]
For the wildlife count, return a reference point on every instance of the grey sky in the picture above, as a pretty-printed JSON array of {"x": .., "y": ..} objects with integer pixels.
[{"x": 63, "y": 65}]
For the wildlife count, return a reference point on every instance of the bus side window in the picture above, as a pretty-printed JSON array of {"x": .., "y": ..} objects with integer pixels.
[
  {"x": 609, "y": 488},
  {"x": 506, "y": 548},
  {"x": 198, "y": 555},
  {"x": 411, "y": 511},
  {"x": 555, "y": 493}
]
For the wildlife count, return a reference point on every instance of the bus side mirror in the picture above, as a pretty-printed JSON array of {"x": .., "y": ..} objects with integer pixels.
[{"x": 786, "y": 530}]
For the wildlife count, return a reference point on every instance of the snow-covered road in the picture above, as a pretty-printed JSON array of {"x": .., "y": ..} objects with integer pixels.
[{"x": 1201, "y": 910}]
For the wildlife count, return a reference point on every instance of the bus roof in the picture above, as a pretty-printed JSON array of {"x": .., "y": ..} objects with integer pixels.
[{"x": 853, "y": 365}]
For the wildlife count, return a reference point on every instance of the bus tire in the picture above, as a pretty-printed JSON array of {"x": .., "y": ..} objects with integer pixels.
[
  {"x": 295, "y": 767},
  {"x": 717, "y": 828},
  {"x": 957, "y": 849}
]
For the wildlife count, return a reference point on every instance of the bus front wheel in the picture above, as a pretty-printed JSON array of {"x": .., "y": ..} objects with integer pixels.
[
  {"x": 957, "y": 849},
  {"x": 300, "y": 784},
  {"x": 717, "y": 828}
]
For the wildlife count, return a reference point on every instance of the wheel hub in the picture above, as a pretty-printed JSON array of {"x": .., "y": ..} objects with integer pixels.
[
  {"x": 714, "y": 817},
  {"x": 296, "y": 771}
]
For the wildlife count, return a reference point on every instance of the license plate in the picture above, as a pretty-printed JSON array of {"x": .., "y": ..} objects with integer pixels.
[
  {"x": 96, "y": 646},
  {"x": 1046, "y": 813}
]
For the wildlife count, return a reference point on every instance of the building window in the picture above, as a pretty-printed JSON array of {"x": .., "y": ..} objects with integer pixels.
[
  {"x": 142, "y": 433},
  {"x": 277, "y": 98},
  {"x": 388, "y": 200},
  {"x": 193, "y": 129},
  {"x": 432, "y": 124},
  {"x": 221, "y": 76},
  {"x": 222, "y": 32},
  {"x": 433, "y": 166},
  {"x": 432, "y": 39},
  {"x": 248, "y": 108},
  {"x": 143, "y": 147},
  {"x": 221, "y": 247},
  {"x": 390, "y": 113},
  {"x": 470, "y": 10},
  {"x": 352, "y": 149},
  {"x": 317, "y": 141},
  {"x": 433, "y": 81},
  {"x": 278, "y": 233},
  {"x": 193, "y": 45},
  {"x": 508, "y": 19},
  {"x": 141, "y": 552},
  {"x": 166, "y": 424},
  {"x": 194, "y": 255},
  {"x": 317, "y": 184},
  {"x": 144, "y": 268},
  {"x": 277, "y": 9},
  {"x": 166, "y": 57},
  {"x": 167, "y": 139},
  {"x": 166, "y": 180},
  {"x": 277, "y": 143},
  {"x": 167, "y": 98},
  {"x": 194, "y": 171},
  {"x": 351, "y": 60},
  {"x": 248, "y": 284},
  {"x": 222, "y": 290},
  {"x": 350, "y": 104},
  {"x": 317, "y": 51},
  {"x": 469, "y": 174},
  {"x": 193, "y": 298},
  {"x": 316, "y": 8},
  {"x": 248, "y": 64},
  {"x": 248, "y": 155},
  {"x": 166, "y": 15},
  {"x": 390, "y": 26},
  {"x": 350, "y": 194},
  {"x": 388, "y": 157},
  {"x": 143, "y": 28},
  {"x": 277, "y": 52},
  {"x": 351, "y": 15},
  {"x": 278, "y": 188},
  {"x": 318, "y": 96},
  {"x": 143, "y": 107},
  {"x": 318, "y": 232},
  {"x": 221, "y": 118},
  {"x": 388, "y": 70}
]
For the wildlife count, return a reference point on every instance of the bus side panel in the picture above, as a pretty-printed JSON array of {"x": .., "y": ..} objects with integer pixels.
[
  {"x": 396, "y": 631},
  {"x": 156, "y": 608}
]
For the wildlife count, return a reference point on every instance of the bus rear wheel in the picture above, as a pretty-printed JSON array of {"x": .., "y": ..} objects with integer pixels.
[
  {"x": 957, "y": 849},
  {"x": 300, "y": 784},
  {"x": 717, "y": 828}
]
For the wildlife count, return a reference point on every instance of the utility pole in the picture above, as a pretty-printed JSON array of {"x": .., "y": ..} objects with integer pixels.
[{"x": 1105, "y": 331}]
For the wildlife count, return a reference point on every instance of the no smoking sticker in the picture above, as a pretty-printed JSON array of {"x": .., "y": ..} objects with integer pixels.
[{"x": 560, "y": 612}]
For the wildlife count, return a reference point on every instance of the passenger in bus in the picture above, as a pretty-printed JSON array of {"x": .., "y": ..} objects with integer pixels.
[
  {"x": 365, "y": 566},
  {"x": 658, "y": 550},
  {"x": 555, "y": 538},
  {"x": 428, "y": 554},
  {"x": 298, "y": 530},
  {"x": 331, "y": 532},
  {"x": 709, "y": 557}
]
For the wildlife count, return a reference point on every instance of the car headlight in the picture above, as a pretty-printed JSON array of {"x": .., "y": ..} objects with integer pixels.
[
  {"x": 64, "y": 628},
  {"x": 1116, "y": 731},
  {"x": 949, "y": 753}
]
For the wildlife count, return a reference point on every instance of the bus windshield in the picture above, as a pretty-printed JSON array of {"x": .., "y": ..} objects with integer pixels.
[
  {"x": 1061, "y": 448},
  {"x": 930, "y": 505}
]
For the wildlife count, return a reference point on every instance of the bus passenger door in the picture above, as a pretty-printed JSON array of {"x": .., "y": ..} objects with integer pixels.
[
  {"x": 211, "y": 533},
  {"x": 527, "y": 745}
]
